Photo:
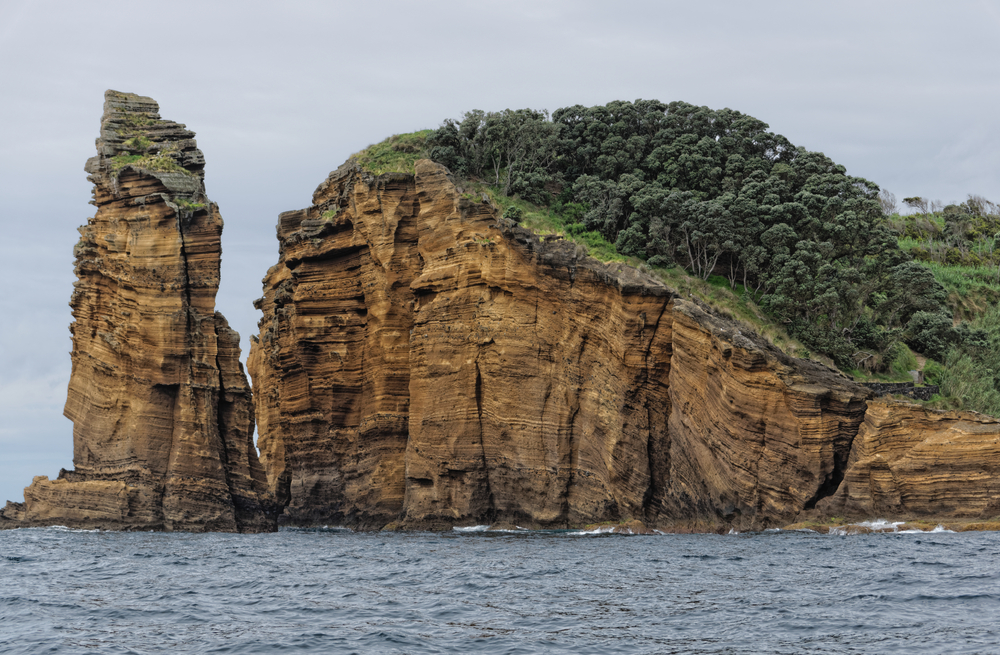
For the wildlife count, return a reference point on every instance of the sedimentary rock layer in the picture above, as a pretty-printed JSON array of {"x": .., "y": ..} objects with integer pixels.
[
  {"x": 422, "y": 364},
  {"x": 755, "y": 436},
  {"x": 161, "y": 409},
  {"x": 908, "y": 461}
]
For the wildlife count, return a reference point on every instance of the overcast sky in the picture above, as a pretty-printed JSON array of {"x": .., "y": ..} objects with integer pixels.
[{"x": 902, "y": 93}]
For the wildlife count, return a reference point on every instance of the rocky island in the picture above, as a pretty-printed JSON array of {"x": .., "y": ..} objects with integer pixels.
[
  {"x": 161, "y": 408},
  {"x": 424, "y": 362}
]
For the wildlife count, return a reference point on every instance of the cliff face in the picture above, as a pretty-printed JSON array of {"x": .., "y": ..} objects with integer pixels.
[
  {"x": 421, "y": 364},
  {"x": 910, "y": 461},
  {"x": 161, "y": 409},
  {"x": 756, "y": 437}
]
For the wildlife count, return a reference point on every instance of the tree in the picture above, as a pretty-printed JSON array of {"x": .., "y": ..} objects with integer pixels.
[
  {"x": 917, "y": 203},
  {"x": 887, "y": 200},
  {"x": 716, "y": 192}
]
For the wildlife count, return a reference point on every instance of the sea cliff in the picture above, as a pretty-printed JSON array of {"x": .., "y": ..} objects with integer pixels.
[{"x": 423, "y": 363}]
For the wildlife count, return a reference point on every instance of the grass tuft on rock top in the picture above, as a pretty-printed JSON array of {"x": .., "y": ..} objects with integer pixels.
[
  {"x": 160, "y": 162},
  {"x": 188, "y": 205},
  {"x": 140, "y": 142},
  {"x": 397, "y": 154}
]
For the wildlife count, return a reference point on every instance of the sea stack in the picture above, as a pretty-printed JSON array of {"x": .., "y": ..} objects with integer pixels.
[{"x": 162, "y": 413}]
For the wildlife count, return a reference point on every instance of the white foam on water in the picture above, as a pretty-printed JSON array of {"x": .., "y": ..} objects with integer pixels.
[
  {"x": 881, "y": 524},
  {"x": 604, "y": 529},
  {"x": 733, "y": 531},
  {"x": 472, "y": 528}
]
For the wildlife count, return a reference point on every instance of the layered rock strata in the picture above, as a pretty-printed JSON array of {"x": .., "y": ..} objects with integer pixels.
[
  {"x": 422, "y": 364},
  {"x": 162, "y": 413},
  {"x": 909, "y": 461}
]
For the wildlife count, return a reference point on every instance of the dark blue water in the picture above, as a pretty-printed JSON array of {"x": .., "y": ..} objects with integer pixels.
[{"x": 339, "y": 592}]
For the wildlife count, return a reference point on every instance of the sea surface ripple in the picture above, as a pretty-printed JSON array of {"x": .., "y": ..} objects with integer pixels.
[{"x": 335, "y": 591}]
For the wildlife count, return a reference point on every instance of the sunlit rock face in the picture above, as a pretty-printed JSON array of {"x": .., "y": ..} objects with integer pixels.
[
  {"x": 161, "y": 409},
  {"x": 422, "y": 364}
]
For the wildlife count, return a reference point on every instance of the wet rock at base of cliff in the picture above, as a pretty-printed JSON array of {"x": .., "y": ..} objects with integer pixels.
[{"x": 162, "y": 412}]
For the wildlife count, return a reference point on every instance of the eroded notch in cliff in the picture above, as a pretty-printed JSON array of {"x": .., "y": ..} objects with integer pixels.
[{"x": 829, "y": 486}]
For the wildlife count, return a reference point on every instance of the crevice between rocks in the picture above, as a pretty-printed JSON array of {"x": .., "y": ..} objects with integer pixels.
[{"x": 491, "y": 512}]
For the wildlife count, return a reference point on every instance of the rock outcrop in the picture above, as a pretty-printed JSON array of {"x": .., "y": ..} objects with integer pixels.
[
  {"x": 755, "y": 436},
  {"x": 161, "y": 409},
  {"x": 909, "y": 461},
  {"x": 423, "y": 364}
]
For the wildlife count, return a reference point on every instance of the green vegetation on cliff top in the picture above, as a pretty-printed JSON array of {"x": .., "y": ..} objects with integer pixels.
[
  {"x": 771, "y": 234},
  {"x": 397, "y": 154},
  {"x": 139, "y": 151}
]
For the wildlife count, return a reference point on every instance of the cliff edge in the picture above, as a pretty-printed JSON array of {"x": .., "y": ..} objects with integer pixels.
[{"x": 161, "y": 409}]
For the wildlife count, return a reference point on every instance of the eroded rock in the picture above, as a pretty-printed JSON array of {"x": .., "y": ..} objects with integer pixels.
[
  {"x": 161, "y": 409},
  {"x": 910, "y": 461},
  {"x": 421, "y": 365}
]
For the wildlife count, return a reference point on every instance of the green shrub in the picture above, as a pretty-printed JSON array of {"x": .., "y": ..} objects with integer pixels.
[
  {"x": 933, "y": 372},
  {"x": 138, "y": 143},
  {"x": 513, "y": 213},
  {"x": 901, "y": 359},
  {"x": 931, "y": 333}
]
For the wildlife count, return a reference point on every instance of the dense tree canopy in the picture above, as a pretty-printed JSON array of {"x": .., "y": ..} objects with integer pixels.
[{"x": 716, "y": 192}]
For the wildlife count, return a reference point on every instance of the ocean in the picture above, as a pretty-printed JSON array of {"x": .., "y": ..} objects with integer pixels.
[{"x": 471, "y": 591}]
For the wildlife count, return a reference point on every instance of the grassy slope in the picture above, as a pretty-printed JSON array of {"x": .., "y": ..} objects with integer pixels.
[
  {"x": 971, "y": 279},
  {"x": 397, "y": 154}
]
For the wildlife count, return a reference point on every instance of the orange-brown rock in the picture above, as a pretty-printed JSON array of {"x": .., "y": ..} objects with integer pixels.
[
  {"x": 910, "y": 461},
  {"x": 422, "y": 364},
  {"x": 755, "y": 436},
  {"x": 161, "y": 409},
  {"x": 415, "y": 364}
]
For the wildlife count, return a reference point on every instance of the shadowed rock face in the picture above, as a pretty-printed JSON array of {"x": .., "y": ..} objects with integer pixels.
[
  {"x": 421, "y": 364},
  {"x": 161, "y": 409}
]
